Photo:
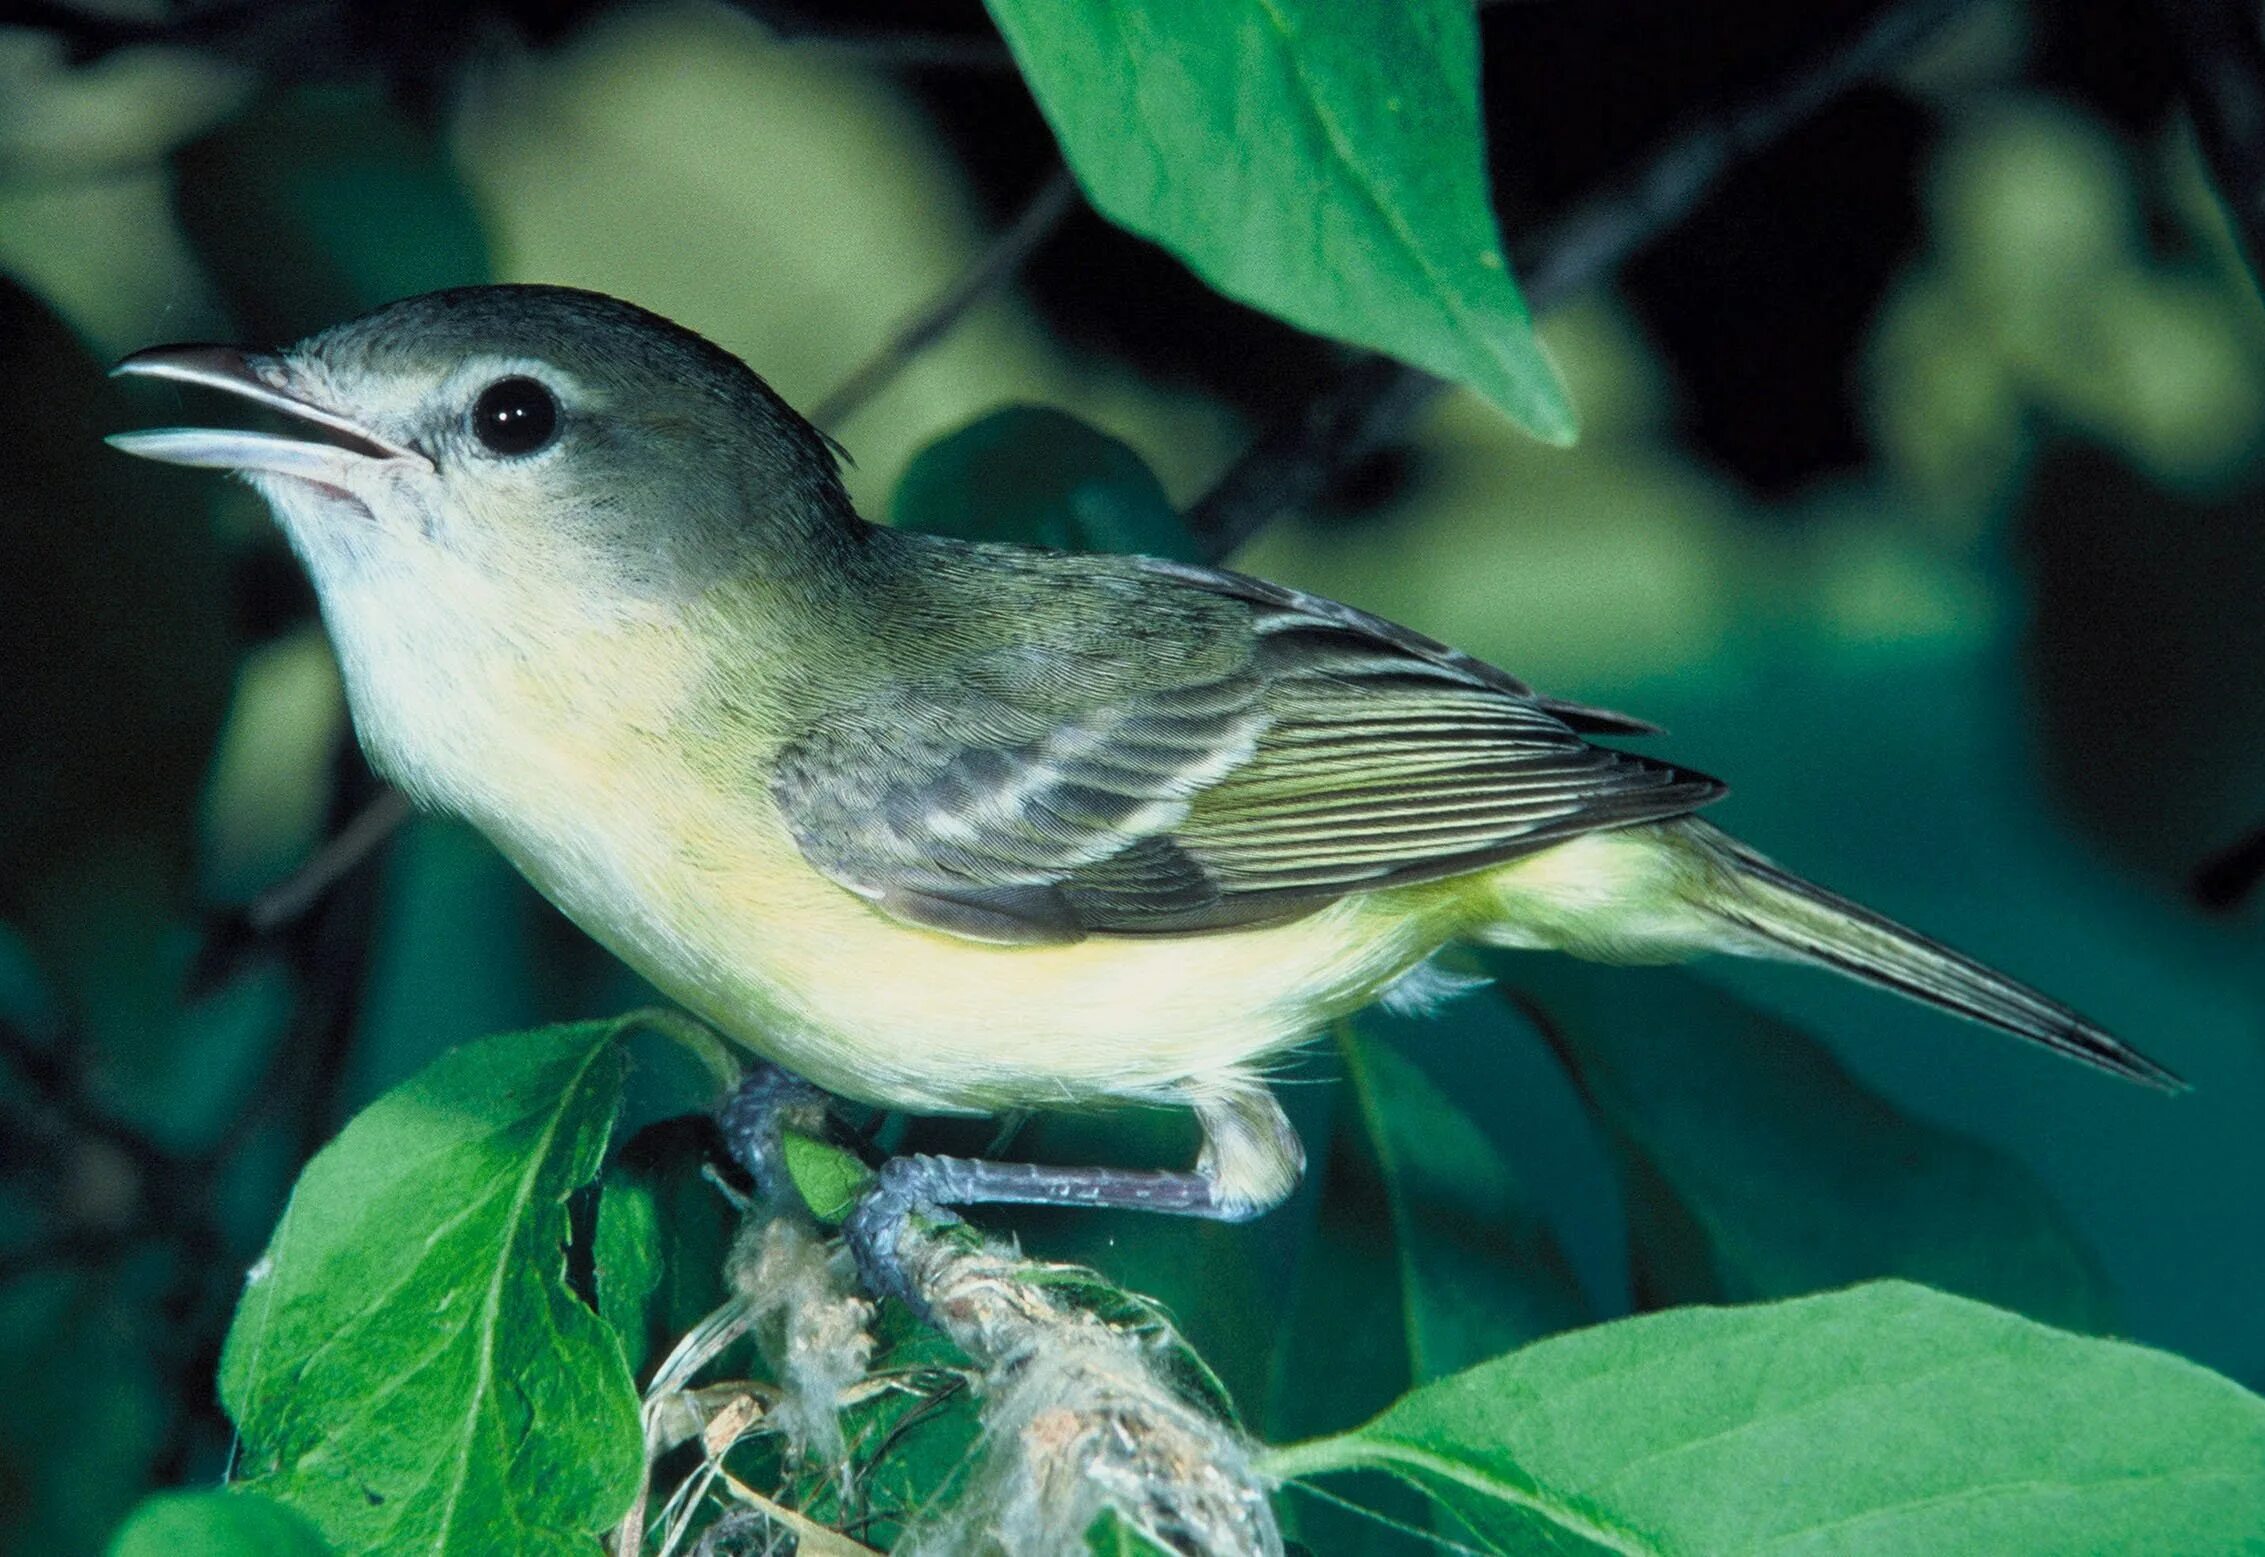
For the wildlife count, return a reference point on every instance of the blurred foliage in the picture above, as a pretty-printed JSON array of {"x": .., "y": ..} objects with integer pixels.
[{"x": 1917, "y": 492}]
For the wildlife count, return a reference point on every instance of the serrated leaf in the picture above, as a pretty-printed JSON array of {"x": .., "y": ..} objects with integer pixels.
[
  {"x": 1322, "y": 162},
  {"x": 409, "y": 1367},
  {"x": 1043, "y": 478},
  {"x": 1887, "y": 1419},
  {"x": 1755, "y": 1165},
  {"x": 216, "y": 1524}
]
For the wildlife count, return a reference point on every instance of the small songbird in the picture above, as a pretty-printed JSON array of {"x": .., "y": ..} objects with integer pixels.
[{"x": 949, "y": 827}]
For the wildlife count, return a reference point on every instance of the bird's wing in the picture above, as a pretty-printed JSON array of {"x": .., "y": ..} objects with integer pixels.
[{"x": 1339, "y": 754}]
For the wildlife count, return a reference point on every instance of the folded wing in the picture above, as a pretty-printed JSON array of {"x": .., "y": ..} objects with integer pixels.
[{"x": 1017, "y": 800}]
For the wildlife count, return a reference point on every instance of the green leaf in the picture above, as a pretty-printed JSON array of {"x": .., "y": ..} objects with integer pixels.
[
  {"x": 626, "y": 1261},
  {"x": 828, "y": 1179},
  {"x": 409, "y": 1366},
  {"x": 693, "y": 1221},
  {"x": 1427, "y": 1256},
  {"x": 1043, "y": 478},
  {"x": 1112, "y": 1537},
  {"x": 1323, "y": 162},
  {"x": 1756, "y": 1166},
  {"x": 1886, "y": 1419},
  {"x": 1479, "y": 1270},
  {"x": 216, "y": 1524}
]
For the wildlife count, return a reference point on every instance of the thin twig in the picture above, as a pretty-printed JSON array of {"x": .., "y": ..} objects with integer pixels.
[
  {"x": 911, "y": 50},
  {"x": 2221, "y": 59},
  {"x": 288, "y": 900},
  {"x": 994, "y": 268},
  {"x": 1375, "y": 398}
]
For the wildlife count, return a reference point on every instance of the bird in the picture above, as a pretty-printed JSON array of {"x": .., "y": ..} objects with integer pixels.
[{"x": 942, "y": 826}]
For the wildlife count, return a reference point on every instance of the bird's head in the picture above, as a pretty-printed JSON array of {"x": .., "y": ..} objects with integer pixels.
[{"x": 529, "y": 436}]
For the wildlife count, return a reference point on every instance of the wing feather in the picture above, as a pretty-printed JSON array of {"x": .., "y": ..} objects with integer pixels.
[{"x": 1035, "y": 798}]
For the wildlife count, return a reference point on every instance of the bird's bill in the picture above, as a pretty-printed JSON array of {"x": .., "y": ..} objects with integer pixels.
[{"x": 236, "y": 372}]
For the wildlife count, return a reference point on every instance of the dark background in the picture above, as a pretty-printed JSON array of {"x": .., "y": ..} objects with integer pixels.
[{"x": 1919, "y": 496}]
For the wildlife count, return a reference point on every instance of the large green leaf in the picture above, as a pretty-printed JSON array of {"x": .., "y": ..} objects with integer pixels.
[
  {"x": 1756, "y": 1166},
  {"x": 216, "y": 1524},
  {"x": 409, "y": 1366},
  {"x": 1043, "y": 478},
  {"x": 1320, "y": 161},
  {"x": 1887, "y": 1419}
]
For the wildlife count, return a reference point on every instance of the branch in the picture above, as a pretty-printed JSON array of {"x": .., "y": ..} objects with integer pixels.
[
  {"x": 356, "y": 842},
  {"x": 1375, "y": 399},
  {"x": 884, "y": 48},
  {"x": 1080, "y": 1417},
  {"x": 994, "y": 268},
  {"x": 2221, "y": 60}
]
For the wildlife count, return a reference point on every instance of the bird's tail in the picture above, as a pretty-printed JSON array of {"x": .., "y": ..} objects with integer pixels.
[{"x": 1797, "y": 919}]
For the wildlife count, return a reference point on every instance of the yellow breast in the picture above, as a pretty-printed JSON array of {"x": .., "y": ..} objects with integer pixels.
[
  {"x": 708, "y": 897},
  {"x": 690, "y": 876}
]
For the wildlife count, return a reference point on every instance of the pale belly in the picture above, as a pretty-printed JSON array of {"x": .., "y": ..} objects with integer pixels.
[{"x": 748, "y": 937}]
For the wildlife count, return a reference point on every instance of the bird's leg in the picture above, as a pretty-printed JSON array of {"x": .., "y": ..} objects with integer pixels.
[
  {"x": 1251, "y": 1161},
  {"x": 768, "y": 1102}
]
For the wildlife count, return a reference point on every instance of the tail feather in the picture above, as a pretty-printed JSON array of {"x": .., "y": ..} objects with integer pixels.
[{"x": 1807, "y": 922}]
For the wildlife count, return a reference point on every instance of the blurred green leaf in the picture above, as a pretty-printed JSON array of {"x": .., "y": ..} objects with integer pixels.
[
  {"x": 1043, "y": 478},
  {"x": 1427, "y": 1256},
  {"x": 1755, "y": 1166},
  {"x": 320, "y": 204},
  {"x": 1479, "y": 1270},
  {"x": 1322, "y": 162},
  {"x": 408, "y": 1366},
  {"x": 1887, "y": 1419},
  {"x": 87, "y": 1405},
  {"x": 455, "y": 954},
  {"x": 217, "y": 1524}
]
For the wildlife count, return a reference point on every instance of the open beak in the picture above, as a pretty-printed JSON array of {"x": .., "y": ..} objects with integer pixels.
[{"x": 238, "y": 372}]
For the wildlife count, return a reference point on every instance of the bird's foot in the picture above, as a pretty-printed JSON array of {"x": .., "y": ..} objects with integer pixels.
[
  {"x": 755, "y": 1118},
  {"x": 921, "y": 1185}
]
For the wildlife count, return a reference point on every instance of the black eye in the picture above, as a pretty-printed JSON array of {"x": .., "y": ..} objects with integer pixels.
[{"x": 514, "y": 416}]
